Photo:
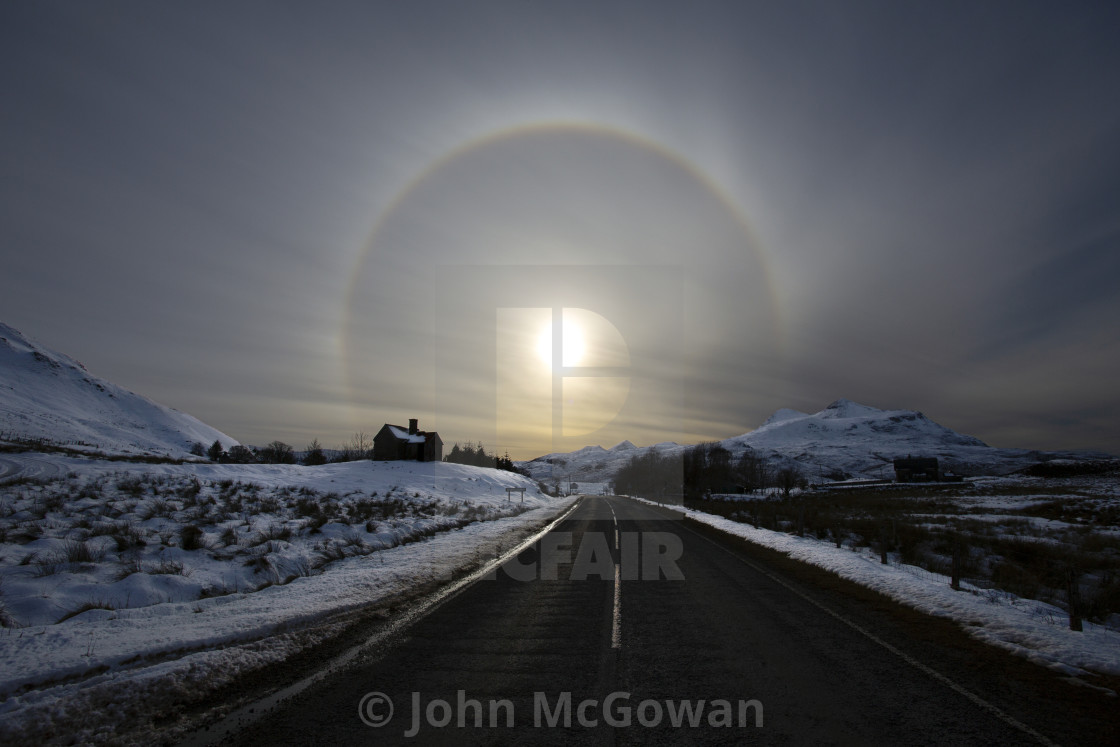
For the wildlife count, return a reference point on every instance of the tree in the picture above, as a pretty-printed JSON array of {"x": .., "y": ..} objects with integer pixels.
[
  {"x": 314, "y": 455},
  {"x": 241, "y": 455},
  {"x": 477, "y": 457},
  {"x": 277, "y": 452},
  {"x": 751, "y": 471},
  {"x": 788, "y": 479},
  {"x": 360, "y": 447},
  {"x": 650, "y": 475},
  {"x": 197, "y": 449},
  {"x": 216, "y": 452}
]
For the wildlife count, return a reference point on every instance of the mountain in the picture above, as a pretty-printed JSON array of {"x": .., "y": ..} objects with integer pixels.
[
  {"x": 844, "y": 440},
  {"x": 47, "y": 396}
]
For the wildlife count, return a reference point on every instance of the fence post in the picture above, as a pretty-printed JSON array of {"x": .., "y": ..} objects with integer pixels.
[
  {"x": 958, "y": 563},
  {"x": 1073, "y": 596}
]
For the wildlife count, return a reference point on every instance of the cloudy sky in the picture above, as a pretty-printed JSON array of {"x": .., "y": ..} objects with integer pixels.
[{"x": 300, "y": 220}]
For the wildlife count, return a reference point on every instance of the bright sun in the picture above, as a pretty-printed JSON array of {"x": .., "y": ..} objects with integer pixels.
[{"x": 573, "y": 344}]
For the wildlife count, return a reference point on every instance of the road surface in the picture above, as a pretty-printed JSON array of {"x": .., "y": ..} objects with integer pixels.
[{"x": 744, "y": 644}]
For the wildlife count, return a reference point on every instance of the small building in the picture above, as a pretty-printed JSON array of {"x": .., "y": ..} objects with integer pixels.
[
  {"x": 916, "y": 469},
  {"x": 393, "y": 442}
]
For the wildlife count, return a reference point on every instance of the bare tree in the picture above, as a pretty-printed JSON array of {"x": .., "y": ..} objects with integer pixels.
[
  {"x": 788, "y": 479},
  {"x": 360, "y": 447},
  {"x": 277, "y": 452}
]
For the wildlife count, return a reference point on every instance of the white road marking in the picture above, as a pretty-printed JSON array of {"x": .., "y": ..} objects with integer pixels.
[
  {"x": 976, "y": 699},
  {"x": 250, "y": 713},
  {"x": 616, "y": 625},
  {"x": 616, "y": 629}
]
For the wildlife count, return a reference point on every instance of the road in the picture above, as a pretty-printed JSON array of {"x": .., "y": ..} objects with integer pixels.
[{"x": 758, "y": 638}]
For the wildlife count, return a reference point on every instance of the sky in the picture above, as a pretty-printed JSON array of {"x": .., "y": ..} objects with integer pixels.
[{"x": 301, "y": 221}]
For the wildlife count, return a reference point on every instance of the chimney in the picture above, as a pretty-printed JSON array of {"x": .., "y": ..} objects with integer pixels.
[{"x": 412, "y": 426}]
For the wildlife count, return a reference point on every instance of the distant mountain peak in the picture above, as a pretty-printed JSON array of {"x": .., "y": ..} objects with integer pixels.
[
  {"x": 846, "y": 408},
  {"x": 589, "y": 449},
  {"x": 846, "y": 439}
]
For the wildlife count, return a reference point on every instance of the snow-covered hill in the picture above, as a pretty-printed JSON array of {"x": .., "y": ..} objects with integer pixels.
[
  {"x": 47, "y": 396},
  {"x": 844, "y": 440}
]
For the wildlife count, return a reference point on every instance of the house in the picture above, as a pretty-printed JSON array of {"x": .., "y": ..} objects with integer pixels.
[
  {"x": 394, "y": 442},
  {"x": 917, "y": 469}
]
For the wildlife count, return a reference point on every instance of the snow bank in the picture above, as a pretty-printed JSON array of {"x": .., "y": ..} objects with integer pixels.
[{"x": 1028, "y": 628}]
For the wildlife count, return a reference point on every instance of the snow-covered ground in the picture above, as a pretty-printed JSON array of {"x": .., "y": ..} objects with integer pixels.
[
  {"x": 112, "y": 612},
  {"x": 1028, "y": 628}
]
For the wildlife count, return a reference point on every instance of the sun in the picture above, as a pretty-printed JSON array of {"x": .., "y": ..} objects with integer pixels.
[{"x": 573, "y": 344}]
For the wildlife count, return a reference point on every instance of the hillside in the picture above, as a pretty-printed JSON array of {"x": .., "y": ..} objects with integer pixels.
[
  {"x": 47, "y": 396},
  {"x": 843, "y": 441}
]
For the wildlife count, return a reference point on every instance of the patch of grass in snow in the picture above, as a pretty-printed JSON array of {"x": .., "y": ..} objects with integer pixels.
[
  {"x": 91, "y": 529},
  {"x": 167, "y": 567}
]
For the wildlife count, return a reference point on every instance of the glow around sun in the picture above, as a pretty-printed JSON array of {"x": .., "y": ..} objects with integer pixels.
[{"x": 573, "y": 344}]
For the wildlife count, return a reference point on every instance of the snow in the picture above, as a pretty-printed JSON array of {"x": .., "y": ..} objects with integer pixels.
[
  {"x": 48, "y": 396},
  {"x": 1025, "y": 627},
  {"x": 185, "y": 632},
  {"x": 402, "y": 434},
  {"x": 126, "y": 588}
]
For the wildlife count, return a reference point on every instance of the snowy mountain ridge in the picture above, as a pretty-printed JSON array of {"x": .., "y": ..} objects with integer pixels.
[
  {"x": 48, "y": 396},
  {"x": 843, "y": 441}
]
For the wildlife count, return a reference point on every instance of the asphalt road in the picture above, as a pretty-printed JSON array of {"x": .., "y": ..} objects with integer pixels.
[{"x": 691, "y": 617}]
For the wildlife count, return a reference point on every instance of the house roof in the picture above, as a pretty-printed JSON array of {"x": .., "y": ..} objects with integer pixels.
[{"x": 402, "y": 434}]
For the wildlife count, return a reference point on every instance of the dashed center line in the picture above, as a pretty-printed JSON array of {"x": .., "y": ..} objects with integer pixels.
[
  {"x": 616, "y": 628},
  {"x": 616, "y": 624}
]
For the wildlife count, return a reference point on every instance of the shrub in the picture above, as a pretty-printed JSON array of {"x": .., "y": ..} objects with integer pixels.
[
  {"x": 308, "y": 507},
  {"x": 80, "y": 552},
  {"x": 127, "y": 537},
  {"x": 269, "y": 505},
  {"x": 47, "y": 566},
  {"x": 156, "y": 508},
  {"x": 126, "y": 569},
  {"x": 190, "y": 538},
  {"x": 228, "y": 536},
  {"x": 259, "y": 563},
  {"x": 53, "y": 501},
  {"x": 168, "y": 567},
  {"x": 131, "y": 485},
  {"x": 90, "y": 490},
  {"x": 273, "y": 532},
  {"x": 328, "y": 551}
]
